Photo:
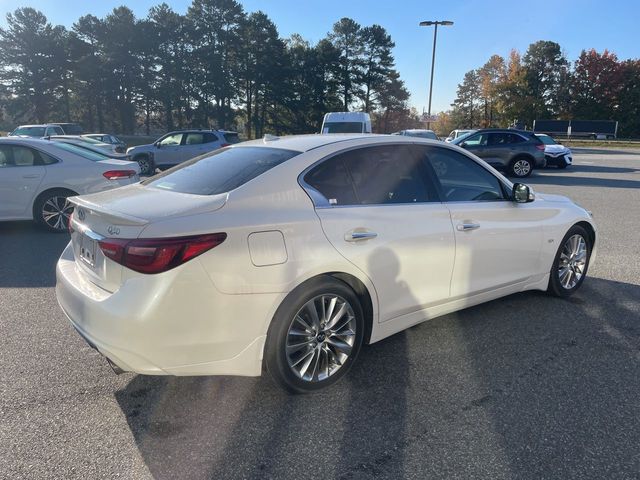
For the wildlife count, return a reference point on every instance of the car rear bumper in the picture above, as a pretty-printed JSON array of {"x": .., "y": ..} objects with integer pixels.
[{"x": 175, "y": 323}]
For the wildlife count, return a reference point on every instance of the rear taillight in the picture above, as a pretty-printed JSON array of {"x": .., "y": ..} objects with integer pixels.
[
  {"x": 155, "y": 255},
  {"x": 225, "y": 145},
  {"x": 118, "y": 174},
  {"x": 540, "y": 147}
]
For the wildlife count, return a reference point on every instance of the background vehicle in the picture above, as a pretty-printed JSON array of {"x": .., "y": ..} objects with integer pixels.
[
  {"x": 70, "y": 128},
  {"x": 120, "y": 146},
  {"x": 306, "y": 241},
  {"x": 516, "y": 151},
  {"x": 105, "y": 148},
  {"x": 457, "y": 133},
  {"x": 346, "y": 122},
  {"x": 428, "y": 134},
  {"x": 37, "y": 131},
  {"x": 176, "y": 147},
  {"x": 556, "y": 155},
  {"x": 594, "y": 129},
  {"x": 37, "y": 176}
]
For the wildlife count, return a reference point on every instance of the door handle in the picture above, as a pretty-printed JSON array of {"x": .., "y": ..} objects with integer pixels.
[
  {"x": 33, "y": 175},
  {"x": 463, "y": 227},
  {"x": 356, "y": 236}
]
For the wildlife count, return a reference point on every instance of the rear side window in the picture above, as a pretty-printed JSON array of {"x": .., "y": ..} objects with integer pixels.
[
  {"x": 372, "y": 176},
  {"x": 82, "y": 152},
  {"x": 220, "y": 171},
  {"x": 209, "y": 137},
  {"x": 194, "y": 139},
  {"x": 231, "y": 137},
  {"x": 21, "y": 156}
]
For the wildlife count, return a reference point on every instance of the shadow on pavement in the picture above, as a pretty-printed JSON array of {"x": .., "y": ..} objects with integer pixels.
[
  {"x": 549, "y": 178},
  {"x": 27, "y": 261},
  {"x": 528, "y": 386}
]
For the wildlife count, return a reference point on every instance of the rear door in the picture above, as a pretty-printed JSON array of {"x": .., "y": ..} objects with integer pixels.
[
  {"x": 379, "y": 212},
  {"x": 21, "y": 173},
  {"x": 498, "y": 242}
]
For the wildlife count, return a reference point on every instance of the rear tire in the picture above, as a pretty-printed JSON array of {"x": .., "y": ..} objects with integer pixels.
[
  {"x": 307, "y": 351},
  {"x": 147, "y": 166},
  {"x": 571, "y": 263},
  {"x": 520, "y": 167},
  {"x": 52, "y": 210}
]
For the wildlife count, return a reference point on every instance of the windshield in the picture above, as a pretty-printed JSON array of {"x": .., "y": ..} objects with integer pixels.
[
  {"x": 342, "y": 127},
  {"x": 81, "y": 151},
  {"x": 546, "y": 139},
  {"x": 221, "y": 171},
  {"x": 29, "y": 131}
]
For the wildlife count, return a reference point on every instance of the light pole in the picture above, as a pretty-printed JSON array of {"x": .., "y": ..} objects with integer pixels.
[{"x": 428, "y": 23}]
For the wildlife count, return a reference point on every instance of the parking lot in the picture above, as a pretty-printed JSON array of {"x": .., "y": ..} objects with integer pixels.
[{"x": 528, "y": 386}]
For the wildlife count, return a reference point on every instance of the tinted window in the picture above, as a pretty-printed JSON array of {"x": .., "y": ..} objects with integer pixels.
[
  {"x": 343, "y": 127},
  {"x": 72, "y": 129},
  {"x": 20, "y": 156},
  {"x": 209, "y": 138},
  {"x": 513, "y": 138},
  {"x": 332, "y": 180},
  {"x": 477, "y": 139},
  {"x": 231, "y": 137},
  {"x": 194, "y": 139},
  {"x": 461, "y": 179},
  {"x": 503, "y": 138},
  {"x": 379, "y": 175},
  {"x": 5, "y": 156},
  {"x": 220, "y": 171}
]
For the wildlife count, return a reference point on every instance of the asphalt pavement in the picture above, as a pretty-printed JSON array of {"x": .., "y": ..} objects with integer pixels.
[{"x": 529, "y": 386}]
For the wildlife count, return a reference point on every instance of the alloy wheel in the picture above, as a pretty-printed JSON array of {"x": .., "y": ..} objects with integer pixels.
[
  {"x": 56, "y": 212},
  {"x": 321, "y": 337},
  {"x": 573, "y": 260},
  {"x": 522, "y": 168}
]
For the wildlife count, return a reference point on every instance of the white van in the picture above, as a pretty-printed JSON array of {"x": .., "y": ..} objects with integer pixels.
[{"x": 346, "y": 122}]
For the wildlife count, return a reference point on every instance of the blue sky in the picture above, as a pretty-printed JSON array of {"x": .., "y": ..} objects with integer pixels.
[{"x": 481, "y": 28}]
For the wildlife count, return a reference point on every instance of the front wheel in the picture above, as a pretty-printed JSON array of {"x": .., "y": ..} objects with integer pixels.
[
  {"x": 315, "y": 336},
  {"x": 147, "y": 167},
  {"x": 520, "y": 168},
  {"x": 571, "y": 263}
]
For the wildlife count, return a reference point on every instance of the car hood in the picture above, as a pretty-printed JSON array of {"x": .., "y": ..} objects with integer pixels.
[
  {"x": 555, "y": 149},
  {"x": 549, "y": 197},
  {"x": 141, "y": 148}
]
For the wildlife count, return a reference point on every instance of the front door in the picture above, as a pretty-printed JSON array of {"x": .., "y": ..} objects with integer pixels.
[
  {"x": 384, "y": 217},
  {"x": 498, "y": 242}
]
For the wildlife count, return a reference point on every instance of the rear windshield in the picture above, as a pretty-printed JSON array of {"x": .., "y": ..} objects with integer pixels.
[
  {"x": 342, "y": 127},
  {"x": 81, "y": 151},
  {"x": 220, "y": 171},
  {"x": 29, "y": 131},
  {"x": 71, "y": 129}
]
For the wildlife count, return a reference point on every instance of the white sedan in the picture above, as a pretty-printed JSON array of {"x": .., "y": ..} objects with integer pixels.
[
  {"x": 37, "y": 176},
  {"x": 292, "y": 252},
  {"x": 556, "y": 154}
]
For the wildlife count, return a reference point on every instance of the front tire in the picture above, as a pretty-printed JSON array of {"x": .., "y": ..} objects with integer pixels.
[
  {"x": 315, "y": 336},
  {"x": 571, "y": 263},
  {"x": 52, "y": 209},
  {"x": 520, "y": 167},
  {"x": 147, "y": 166}
]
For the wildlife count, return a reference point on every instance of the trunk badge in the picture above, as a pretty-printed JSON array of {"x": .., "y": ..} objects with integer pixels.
[{"x": 113, "y": 230}]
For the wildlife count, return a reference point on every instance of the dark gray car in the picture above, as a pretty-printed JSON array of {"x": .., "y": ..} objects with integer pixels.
[{"x": 516, "y": 151}]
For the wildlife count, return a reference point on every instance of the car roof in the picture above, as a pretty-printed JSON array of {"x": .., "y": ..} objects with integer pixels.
[
  {"x": 25, "y": 139},
  {"x": 304, "y": 143},
  {"x": 38, "y": 125},
  {"x": 503, "y": 130},
  {"x": 417, "y": 130}
]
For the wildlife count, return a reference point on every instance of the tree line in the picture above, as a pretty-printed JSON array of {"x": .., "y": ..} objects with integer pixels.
[
  {"x": 216, "y": 66},
  {"x": 544, "y": 84}
]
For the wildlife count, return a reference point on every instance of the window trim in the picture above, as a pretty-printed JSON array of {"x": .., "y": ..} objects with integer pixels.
[{"x": 321, "y": 202}]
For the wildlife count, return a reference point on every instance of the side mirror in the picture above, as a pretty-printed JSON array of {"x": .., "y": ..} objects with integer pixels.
[
  {"x": 158, "y": 144},
  {"x": 521, "y": 193},
  {"x": 463, "y": 144}
]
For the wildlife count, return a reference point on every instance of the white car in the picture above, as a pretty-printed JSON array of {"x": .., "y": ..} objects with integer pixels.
[
  {"x": 292, "y": 252},
  {"x": 108, "y": 148},
  {"x": 457, "y": 134},
  {"x": 556, "y": 154},
  {"x": 428, "y": 134},
  {"x": 37, "y": 176}
]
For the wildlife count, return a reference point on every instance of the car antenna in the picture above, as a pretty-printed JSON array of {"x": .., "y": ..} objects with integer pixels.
[{"x": 270, "y": 138}]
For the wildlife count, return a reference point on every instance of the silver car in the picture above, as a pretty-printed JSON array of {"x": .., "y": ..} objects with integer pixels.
[{"x": 177, "y": 147}]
